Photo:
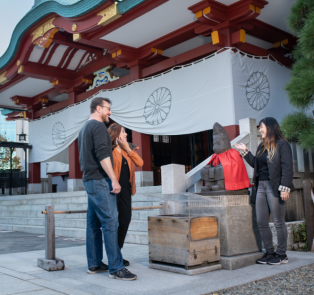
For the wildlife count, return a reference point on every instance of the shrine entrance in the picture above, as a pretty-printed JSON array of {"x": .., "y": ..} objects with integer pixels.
[{"x": 188, "y": 150}]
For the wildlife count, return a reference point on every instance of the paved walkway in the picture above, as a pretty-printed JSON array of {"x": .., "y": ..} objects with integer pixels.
[
  {"x": 19, "y": 274},
  {"x": 15, "y": 242}
]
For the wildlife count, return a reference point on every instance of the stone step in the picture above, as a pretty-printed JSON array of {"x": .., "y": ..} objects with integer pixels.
[
  {"x": 136, "y": 214},
  {"x": 143, "y": 214},
  {"x": 135, "y": 225},
  {"x": 52, "y": 201},
  {"x": 44, "y": 196},
  {"x": 67, "y": 206},
  {"x": 36, "y": 214},
  {"x": 23, "y": 213},
  {"x": 69, "y": 200},
  {"x": 137, "y": 238},
  {"x": 39, "y": 208},
  {"x": 147, "y": 190},
  {"x": 133, "y": 237}
]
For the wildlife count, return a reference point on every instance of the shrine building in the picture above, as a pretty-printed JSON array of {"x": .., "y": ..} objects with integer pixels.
[{"x": 172, "y": 68}]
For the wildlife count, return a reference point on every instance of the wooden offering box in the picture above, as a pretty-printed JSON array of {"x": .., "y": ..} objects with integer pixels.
[{"x": 184, "y": 240}]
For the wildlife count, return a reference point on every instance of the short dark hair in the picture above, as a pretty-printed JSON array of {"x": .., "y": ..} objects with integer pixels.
[{"x": 98, "y": 101}]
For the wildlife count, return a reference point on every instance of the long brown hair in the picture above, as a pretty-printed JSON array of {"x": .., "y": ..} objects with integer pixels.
[
  {"x": 114, "y": 132},
  {"x": 273, "y": 135}
]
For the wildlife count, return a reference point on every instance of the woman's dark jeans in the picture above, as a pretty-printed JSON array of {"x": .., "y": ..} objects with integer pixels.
[{"x": 267, "y": 203}]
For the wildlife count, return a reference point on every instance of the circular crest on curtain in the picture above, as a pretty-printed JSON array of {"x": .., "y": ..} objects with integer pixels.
[
  {"x": 257, "y": 91},
  {"x": 158, "y": 106},
  {"x": 58, "y": 134}
]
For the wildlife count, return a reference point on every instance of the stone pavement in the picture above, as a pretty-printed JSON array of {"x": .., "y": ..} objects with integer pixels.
[
  {"x": 15, "y": 242},
  {"x": 19, "y": 274}
]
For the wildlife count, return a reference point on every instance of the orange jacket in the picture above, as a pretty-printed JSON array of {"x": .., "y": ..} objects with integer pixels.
[{"x": 133, "y": 159}]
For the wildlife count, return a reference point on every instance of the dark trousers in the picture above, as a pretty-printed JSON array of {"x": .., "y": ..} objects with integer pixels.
[
  {"x": 124, "y": 203},
  {"x": 267, "y": 203}
]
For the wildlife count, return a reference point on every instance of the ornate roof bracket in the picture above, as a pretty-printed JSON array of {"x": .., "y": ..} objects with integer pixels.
[
  {"x": 44, "y": 34},
  {"x": 109, "y": 15},
  {"x": 3, "y": 79}
]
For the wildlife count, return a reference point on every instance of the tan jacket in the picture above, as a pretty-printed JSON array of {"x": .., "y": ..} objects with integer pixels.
[{"x": 133, "y": 159}]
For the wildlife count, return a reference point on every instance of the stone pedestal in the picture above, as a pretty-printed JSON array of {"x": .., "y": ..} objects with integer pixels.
[
  {"x": 144, "y": 178},
  {"x": 239, "y": 233},
  {"x": 173, "y": 179},
  {"x": 239, "y": 261},
  {"x": 51, "y": 264},
  {"x": 182, "y": 270},
  {"x": 240, "y": 240},
  {"x": 75, "y": 185},
  {"x": 34, "y": 188}
]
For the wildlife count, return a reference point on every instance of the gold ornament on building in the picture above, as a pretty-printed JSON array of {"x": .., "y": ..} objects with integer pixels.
[
  {"x": 77, "y": 37},
  {"x": 20, "y": 70},
  {"x": 43, "y": 29},
  {"x": 74, "y": 27},
  {"x": 109, "y": 15},
  {"x": 18, "y": 63},
  {"x": 3, "y": 79}
]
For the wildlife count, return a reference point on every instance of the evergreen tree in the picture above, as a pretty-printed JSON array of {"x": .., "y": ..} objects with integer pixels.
[{"x": 299, "y": 126}]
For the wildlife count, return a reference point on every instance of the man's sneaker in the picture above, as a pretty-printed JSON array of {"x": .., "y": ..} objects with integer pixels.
[
  {"x": 123, "y": 274},
  {"x": 103, "y": 267},
  {"x": 266, "y": 257},
  {"x": 278, "y": 259},
  {"x": 126, "y": 262}
]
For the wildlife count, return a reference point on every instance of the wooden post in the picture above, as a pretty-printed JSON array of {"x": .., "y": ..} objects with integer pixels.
[
  {"x": 50, "y": 233},
  {"x": 309, "y": 213}
]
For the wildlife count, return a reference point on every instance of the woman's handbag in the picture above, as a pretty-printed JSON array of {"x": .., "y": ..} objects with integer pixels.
[{"x": 253, "y": 195}]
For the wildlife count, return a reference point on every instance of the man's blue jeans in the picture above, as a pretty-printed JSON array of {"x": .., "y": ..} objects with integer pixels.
[{"x": 102, "y": 217}]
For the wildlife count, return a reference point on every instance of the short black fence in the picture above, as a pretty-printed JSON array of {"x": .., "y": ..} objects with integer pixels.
[{"x": 13, "y": 180}]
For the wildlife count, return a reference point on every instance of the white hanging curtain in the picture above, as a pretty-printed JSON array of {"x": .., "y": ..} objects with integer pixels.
[{"x": 223, "y": 88}]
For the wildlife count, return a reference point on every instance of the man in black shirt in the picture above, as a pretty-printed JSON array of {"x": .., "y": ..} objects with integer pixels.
[{"x": 101, "y": 185}]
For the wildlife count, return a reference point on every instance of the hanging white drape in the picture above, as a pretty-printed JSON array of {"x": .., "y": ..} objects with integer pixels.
[{"x": 223, "y": 88}]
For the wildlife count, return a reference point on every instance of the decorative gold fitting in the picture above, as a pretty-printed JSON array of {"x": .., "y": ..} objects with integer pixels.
[
  {"x": 87, "y": 81},
  {"x": 20, "y": 70},
  {"x": 43, "y": 29},
  {"x": 74, "y": 27},
  {"x": 77, "y": 37},
  {"x": 43, "y": 100},
  {"x": 109, "y": 14},
  {"x": 3, "y": 79},
  {"x": 23, "y": 114},
  {"x": 284, "y": 42},
  {"x": 18, "y": 63}
]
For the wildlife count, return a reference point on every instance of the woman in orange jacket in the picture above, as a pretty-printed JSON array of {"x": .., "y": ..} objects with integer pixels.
[{"x": 124, "y": 161}]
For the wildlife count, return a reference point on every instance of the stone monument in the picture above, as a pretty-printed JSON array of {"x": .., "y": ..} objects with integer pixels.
[
  {"x": 226, "y": 169},
  {"x": 225, "y": 185}
]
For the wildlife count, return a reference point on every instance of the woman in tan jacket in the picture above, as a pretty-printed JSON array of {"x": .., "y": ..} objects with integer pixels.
[{"x": 124, "y": 161}]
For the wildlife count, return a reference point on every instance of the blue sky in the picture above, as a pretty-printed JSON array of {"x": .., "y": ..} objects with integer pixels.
[{"x": 11, "y": 12}]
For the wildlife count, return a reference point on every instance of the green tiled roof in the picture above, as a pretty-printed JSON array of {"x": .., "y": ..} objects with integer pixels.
[
  {"x": 63, "y": 2},
  {"x": 126, "y": 5},
  {"x": 64, "y": 8}
]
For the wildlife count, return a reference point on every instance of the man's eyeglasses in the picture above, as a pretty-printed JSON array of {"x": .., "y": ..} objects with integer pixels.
[{"x": 109, "y": 108}]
